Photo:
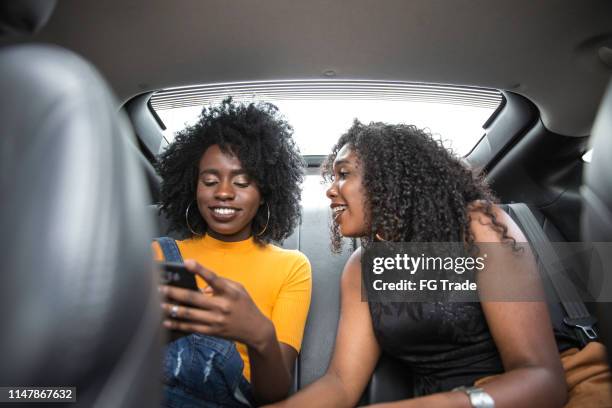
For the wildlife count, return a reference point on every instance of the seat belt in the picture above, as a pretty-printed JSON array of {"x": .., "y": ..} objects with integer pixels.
[{"x": 577, "y": 315}]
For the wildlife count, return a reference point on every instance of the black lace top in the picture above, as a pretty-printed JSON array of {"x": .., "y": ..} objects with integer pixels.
[{"x": 444, "y": 344}]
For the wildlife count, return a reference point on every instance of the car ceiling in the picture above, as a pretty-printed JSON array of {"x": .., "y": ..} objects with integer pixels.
[{"x": 547, "y": 50}]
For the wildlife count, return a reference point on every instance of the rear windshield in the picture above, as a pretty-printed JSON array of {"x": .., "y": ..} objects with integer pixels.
[{"x": 321, "y": 111}]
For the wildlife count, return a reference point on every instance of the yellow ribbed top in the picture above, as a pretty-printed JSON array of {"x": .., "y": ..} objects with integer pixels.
[{"x": 278, "y": 280}]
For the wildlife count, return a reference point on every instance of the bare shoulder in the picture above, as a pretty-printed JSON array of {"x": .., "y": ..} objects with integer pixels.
[
  {"x": 488, "y": 226},
  {"x": 351, "y": 275}
]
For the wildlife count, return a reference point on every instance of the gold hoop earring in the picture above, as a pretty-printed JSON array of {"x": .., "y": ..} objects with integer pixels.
[
  {"x": 267, "y": 221},
  {"x": 379, "y": 237},
  {"x": 187, "y": 220}
]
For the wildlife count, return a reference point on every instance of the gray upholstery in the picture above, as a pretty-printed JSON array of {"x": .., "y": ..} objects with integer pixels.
[
  {"x": 596, "y": 223},
  {"x": 322, "y": 324},
  {"x": 77, "y": 290}
]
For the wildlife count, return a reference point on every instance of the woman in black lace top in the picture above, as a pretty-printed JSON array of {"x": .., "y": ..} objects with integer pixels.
[{"x": 395, "y": 183}]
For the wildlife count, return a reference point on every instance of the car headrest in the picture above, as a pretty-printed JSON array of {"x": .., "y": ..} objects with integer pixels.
[
  {"x": 80, "y": 301},
  {"x": 22, "y": 17},
  {"x": 597, "y": 188}
]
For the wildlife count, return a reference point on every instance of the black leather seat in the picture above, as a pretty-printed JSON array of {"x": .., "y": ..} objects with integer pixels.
[
  {"x": 596, "y": 222},
  {"x": 79, "y": 297}
]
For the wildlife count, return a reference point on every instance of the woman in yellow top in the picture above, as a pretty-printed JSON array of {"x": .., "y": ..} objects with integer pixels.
[{"x": 231, "y": 184}]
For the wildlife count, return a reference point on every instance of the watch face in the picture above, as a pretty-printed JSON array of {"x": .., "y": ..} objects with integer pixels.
[{"x": 479, "y": 398}]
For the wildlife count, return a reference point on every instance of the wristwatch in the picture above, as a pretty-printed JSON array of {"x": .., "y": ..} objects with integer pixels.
[{"x": 478, "y": 397}]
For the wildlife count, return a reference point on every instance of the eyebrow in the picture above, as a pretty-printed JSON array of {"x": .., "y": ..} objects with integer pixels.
[
  {"x": 341, "y": 162},
  {"x": 216, "y": 172}
]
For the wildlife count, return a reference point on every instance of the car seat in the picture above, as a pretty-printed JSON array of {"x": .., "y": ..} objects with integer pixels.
[{"x": 80, "y": 301}]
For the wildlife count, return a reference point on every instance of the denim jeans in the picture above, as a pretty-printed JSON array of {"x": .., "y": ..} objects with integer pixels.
[{"x": 204, "y": 371}]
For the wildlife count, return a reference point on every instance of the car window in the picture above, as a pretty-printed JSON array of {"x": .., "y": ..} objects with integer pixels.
[{"x": 319, "y": 115}]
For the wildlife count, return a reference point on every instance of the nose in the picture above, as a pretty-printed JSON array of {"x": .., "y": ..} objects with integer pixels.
[
  {"x": 332, "y": 191},
  {"x": 224, "y": 191}
]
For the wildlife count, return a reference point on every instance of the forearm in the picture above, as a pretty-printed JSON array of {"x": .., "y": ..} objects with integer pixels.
[
  {"x": 522, "y": 387},
  {"x": 270, "y": 379},
  {"x": 327, "y": 391}
]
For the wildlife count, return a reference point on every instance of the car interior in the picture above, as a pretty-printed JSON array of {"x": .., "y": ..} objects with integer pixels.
[{"x": 85, "y": 85}]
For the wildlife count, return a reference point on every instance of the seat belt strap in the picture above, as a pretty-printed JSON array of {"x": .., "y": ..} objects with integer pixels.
[{"x": 577, "y": 315}]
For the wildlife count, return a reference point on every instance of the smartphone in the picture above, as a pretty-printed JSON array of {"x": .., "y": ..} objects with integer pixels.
[{"x": 175, "y": 274}]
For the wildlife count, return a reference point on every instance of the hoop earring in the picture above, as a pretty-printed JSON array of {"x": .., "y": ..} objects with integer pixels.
[
  {"x": 380, "y": 238},
  {"x": 187, "y": 220},
  {"x": 267, "y": 221}
]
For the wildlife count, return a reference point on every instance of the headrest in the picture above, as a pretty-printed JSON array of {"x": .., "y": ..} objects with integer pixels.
[
  {"x": 23, "y": 17},
  {"x": 77, "y": 268}
]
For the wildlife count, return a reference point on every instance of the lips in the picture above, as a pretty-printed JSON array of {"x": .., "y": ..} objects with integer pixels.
[
  {"x": 337, "y": 210},
  {"x": 224, "y": 214}
]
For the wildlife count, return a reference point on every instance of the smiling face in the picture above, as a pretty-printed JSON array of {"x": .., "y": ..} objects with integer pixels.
[
  {"x": 227, "y": 198},
  {"x": 347, "y": 194}
]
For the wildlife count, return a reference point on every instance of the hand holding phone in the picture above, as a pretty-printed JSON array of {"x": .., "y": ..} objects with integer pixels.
[
  {"x": 176, "y": 274},
  {"x": 228, "y": 311}
]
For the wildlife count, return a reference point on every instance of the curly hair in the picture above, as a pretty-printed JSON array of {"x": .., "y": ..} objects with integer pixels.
[
  {"x": 262, "y": 140},
  {"x": 416, "y": 190}
]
